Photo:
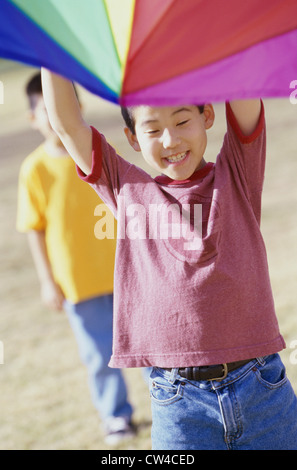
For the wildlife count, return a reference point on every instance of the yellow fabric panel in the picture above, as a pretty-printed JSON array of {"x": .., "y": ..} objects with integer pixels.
[
  {"x": 121, "y": 15},
  {"x": 52, "y": 198}
]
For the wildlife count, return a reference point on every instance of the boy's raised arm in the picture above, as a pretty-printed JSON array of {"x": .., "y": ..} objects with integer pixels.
[
  {"x": 66, "y": 119},
  {"x": 247, "y": 113}
]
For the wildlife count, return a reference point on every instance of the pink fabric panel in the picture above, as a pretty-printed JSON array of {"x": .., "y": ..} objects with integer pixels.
[{"x": 263, "y": 70}]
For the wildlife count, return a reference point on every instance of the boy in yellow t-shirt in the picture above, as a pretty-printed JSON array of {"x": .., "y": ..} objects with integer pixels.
[{"x": 75, "y": 269}]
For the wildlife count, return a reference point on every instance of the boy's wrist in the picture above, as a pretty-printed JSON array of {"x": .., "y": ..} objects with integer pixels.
[{"x": 47, "y": 279}]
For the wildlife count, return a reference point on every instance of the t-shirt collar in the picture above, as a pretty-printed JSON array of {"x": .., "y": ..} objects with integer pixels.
[{"x": 198, "y": 174}]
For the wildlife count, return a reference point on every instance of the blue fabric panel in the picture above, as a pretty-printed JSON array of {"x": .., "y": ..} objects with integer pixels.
[{"x": 24, "y": 41}]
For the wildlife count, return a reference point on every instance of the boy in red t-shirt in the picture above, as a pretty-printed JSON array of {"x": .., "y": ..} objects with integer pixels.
[{"x": 192, "y": 291}]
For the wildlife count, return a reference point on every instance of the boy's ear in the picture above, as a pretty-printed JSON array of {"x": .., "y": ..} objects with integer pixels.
[
  {"x": 132, "y": 139},
  {"x": 209, "y": 115},
  {"x": 31, "y": 118}
]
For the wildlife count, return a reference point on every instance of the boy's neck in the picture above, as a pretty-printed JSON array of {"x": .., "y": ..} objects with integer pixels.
[{"x": 54, "y": 147}]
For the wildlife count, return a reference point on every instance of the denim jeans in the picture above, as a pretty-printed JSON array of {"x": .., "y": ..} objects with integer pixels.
[
  {"x": 91, "y": 321},
  {"x": 253, "y": 408}
]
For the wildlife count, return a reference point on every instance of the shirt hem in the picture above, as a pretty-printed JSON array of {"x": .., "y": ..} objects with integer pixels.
[
  {"x": 198, "y": 358},
  {"x": 245, "y": 139}
]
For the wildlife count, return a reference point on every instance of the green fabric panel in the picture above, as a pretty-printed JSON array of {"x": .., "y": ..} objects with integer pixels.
[{"x": 82, "y": 28}]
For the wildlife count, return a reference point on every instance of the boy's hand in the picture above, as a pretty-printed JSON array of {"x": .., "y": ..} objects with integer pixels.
[
  {"x": 52, "y": 295},
  {"x": 247, "y": 113}
]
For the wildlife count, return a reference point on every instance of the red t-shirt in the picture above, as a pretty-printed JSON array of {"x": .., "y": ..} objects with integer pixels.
[{"x": 191, "y": 277}]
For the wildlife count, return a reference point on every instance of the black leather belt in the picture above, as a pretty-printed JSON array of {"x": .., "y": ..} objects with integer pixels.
[{"x": 215, "y": 372}]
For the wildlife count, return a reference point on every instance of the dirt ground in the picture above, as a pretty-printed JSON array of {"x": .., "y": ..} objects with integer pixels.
[{"x": 44, "y": 398}]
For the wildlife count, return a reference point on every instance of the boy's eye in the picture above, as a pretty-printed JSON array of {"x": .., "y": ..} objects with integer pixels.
[
  {"x": 152, "y": 132},
  {"x": 183, "y": 122}
]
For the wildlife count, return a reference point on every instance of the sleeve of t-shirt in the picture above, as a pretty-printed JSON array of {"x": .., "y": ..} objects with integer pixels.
[
  {"x": 245, "y": 157},
  {"x": 108, "y": 171},
  {"x": 30, "y": 211}
]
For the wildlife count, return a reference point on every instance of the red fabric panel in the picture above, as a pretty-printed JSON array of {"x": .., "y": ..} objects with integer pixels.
[
  {"x": 147, "y": 15},
  {"x": 194, "y": 33}
]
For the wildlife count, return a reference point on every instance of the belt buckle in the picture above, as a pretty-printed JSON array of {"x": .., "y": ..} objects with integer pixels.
[{"x": 225, "y": 372}]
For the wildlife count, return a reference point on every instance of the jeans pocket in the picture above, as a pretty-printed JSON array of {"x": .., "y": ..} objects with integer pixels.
[
  {"x": 272, "y": 374},
  {"x": 165, "y": 393}
]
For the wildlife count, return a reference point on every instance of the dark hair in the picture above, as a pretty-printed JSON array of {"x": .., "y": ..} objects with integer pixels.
[
  {"x": 34, "y": 87},
  {"x": 127, "y": 113}
]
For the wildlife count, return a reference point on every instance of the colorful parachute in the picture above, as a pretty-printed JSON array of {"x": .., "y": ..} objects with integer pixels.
[{"x": 158, "y": 51}]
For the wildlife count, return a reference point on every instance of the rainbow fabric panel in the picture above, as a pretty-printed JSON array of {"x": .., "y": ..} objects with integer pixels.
[{"x": 159, "y": 52}]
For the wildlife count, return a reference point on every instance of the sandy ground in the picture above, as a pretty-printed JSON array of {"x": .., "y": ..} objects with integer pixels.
[{"x": 44, "y": 397}]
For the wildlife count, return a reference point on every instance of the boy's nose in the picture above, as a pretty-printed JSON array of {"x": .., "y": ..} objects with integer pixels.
[{"x": 170, "y": 138}]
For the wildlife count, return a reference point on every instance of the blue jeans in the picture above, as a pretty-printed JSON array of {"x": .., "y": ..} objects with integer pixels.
[
  {"x": 253, "y": 408},
  {"x": 91, "y": 321}
]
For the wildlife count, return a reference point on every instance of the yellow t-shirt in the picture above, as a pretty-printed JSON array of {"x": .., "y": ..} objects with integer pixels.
[{"x": 52, "y": 198}]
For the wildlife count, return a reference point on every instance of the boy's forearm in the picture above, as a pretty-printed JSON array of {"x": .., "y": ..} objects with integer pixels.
[
  {"x": 38, "y": 250},
  {"x": 66, "y": 119},
  {"x": 247, "y": 113},
  {"x": 51, "y": 293}
]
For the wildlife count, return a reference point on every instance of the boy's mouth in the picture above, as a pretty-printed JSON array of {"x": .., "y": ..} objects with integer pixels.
[{"x": 179, "y": 157}]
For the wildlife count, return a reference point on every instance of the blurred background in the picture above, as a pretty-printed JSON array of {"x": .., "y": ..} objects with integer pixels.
[{"x": 44, "y": 396}]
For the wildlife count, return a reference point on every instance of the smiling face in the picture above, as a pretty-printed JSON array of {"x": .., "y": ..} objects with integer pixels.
[{"x": 171, "y": 139}]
